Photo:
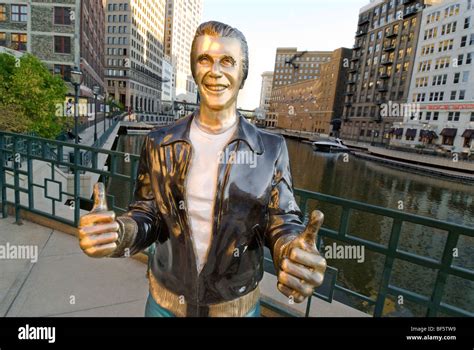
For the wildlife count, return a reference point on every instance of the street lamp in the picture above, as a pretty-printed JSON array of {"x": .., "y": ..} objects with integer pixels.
[
  {"x": 76, "y": 80},
  {"x": 105, "y": 108},
  {"x": 95, "y": 91}
]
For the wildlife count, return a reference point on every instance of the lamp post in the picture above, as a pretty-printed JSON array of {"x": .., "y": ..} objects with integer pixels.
[
  {"x": 76, "y": 80},
  {"x": 95, "y": 91},
  {"x": 105, "y": 108}
]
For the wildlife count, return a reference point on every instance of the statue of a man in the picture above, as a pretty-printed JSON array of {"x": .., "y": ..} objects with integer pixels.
[{"x": 212, "y": 191}]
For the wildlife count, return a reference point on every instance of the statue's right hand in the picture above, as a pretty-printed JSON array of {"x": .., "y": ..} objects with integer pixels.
[{"x": 98, "y": 230}]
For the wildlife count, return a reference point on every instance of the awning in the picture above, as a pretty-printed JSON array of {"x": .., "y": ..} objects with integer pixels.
[
  {"x": 410, "y": 133},
  {"x": 428, "y": 134},
  {"x": 468, "y": 133},
  {"x": 398, "y": 132},
  {"x": 448, "y": 132}
]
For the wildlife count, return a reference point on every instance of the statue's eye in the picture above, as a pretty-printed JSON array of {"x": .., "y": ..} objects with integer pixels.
[
  {"x": 227, "y": 62},
  {"x": 204, "y": 60}
]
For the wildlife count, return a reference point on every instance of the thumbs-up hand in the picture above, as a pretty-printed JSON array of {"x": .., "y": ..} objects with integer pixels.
[
  {"x": 98, "y": 230},
  {"x": 301, "y": 266}
]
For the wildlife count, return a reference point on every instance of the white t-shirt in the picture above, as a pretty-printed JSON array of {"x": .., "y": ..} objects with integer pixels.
[{"x": 201, "y": 186}]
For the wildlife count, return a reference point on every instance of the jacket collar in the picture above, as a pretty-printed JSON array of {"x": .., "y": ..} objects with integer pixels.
[{"x": 245, "y": 131}]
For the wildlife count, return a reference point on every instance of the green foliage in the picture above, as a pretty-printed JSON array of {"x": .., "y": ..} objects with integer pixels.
[{"x": 29, "y": 94}]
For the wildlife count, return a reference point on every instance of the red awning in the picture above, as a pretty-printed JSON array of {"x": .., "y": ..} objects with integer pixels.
[
  {"x": 468, "y": 134},
  {"x": 448, "y": 132}
]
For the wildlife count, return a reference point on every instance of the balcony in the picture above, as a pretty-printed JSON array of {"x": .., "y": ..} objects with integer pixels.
[
  {"x": 355, "y": 58},
  {"x": 387, "y": 62},
  {"x": 384, "y": 76},
  {"x": 351, "y": 82},
  {"x": 364, "y": 20},
  {"x": 406, "y": 2},
  {"x": 391, "y": 34},
  {"x": 356, "y": 46},
  {"x": 348, "y": 104},
  {"x": 410, "y": 11},
  {"x": 382, "y": 88},
  {"x": 389, "y": 48},
  {"x": 361, "y": 32},
  {"x": 352, "y": 70},
  {"x": 380, "y": 102},
  {"x": 349, "y": 93}
]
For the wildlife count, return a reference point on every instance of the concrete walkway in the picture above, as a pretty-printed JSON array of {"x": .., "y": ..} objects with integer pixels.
[{"x": 65, "y": 282}]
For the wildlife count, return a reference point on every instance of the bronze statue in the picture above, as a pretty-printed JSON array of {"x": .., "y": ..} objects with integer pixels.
[{"x": 211, "y": 191}]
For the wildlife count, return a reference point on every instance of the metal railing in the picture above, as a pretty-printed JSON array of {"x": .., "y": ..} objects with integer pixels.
[{"x": 21, "y": 189}]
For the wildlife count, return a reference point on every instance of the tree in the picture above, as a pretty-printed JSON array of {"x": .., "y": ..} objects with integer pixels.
[{"x": 33, "y": 93}]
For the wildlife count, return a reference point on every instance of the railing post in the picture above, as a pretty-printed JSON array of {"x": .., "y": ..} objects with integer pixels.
[
  {"x": 446, "y": 262},
  {"x": 3, "y": 188},
  {"x": 16, "y": 181},
  {"x": 387, "y": 270},
  {"x": 77, "y": 184}
]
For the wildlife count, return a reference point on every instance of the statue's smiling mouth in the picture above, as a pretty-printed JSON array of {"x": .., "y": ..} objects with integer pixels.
[{"x": 216, "y": 87}]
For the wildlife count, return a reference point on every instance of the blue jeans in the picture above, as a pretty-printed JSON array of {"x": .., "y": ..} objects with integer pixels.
[{"x": 153, "y": 309}]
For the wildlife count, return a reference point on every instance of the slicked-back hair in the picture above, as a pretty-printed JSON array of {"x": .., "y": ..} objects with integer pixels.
[{"x": 218, "y": 29}]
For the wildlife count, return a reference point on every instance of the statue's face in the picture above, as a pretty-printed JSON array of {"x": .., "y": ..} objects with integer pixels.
[{"x": 218, "y": 70}]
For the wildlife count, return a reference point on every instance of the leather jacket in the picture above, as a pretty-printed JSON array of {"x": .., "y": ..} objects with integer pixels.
[{"x": 254, "y": 206}]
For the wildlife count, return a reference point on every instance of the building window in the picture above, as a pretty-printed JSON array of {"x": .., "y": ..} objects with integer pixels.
[
  {"x": 467, "y": 22},
  {"x": 456, "y": 78},
  {"x": 19, "y": 13},
  {"x": 63, "y": 71},
  {"x": 62, "y": 15},
  {"x": 463, "y": 40},
  {"x": 472, "y": 117},
  {"x": 453, "y": 95},
  {"x": 18, "y": 42},
  {"x": 3, "y": 13},
  {"x": 62, "y": 44},
  {"x": 435, "y": 115},
  {"x": 462, "y": 94}
]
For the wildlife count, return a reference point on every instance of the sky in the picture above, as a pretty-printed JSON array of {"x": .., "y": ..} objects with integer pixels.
[{"x": 312, "y": 25}]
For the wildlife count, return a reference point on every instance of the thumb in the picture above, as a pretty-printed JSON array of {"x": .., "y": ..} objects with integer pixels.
[
  {"x": 100, "y": 200},
  {"x": 310, "y": 233}
]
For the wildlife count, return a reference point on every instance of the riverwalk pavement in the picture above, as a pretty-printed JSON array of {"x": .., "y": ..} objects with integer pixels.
[{"x": 62, "y": 281}]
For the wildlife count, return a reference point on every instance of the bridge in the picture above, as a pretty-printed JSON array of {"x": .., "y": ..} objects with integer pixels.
[{"x": 50, "y": 198}]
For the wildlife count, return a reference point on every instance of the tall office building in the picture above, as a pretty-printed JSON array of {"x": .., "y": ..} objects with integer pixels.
[
  {"x": 381, "y": 66},
  {"x": 443, "y": 82},
  {"x": 293, "y": 66},
  {"x": 63, "y": 34},
  {"x": 265, "y": 96},
  {"x": 134, "y": 53},
  {"x": 313, "y": 105},
  {"x": 182, "y": 19}
]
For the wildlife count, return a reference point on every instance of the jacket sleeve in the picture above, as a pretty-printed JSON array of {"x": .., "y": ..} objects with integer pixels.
[
  {"x": 285, "y": 219},
  {"x": 140, "y": 224}
]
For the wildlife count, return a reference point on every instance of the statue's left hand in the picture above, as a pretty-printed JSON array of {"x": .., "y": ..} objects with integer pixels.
[{"x": 301, "y": 266}]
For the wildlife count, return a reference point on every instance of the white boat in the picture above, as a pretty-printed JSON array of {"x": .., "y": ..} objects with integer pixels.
[{"x": 335, "y": 145}]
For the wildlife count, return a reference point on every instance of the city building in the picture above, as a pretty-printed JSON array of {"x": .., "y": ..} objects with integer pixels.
[
  {"x": 265, "y": 96},
  {"x": 182, "y": 19},
  {"x": 314, "y": 105},
  {"x": 381, "y": 67},
  {"x": 134, "y": 54},
  {"x": 293, "y": 66},
  {"x": 63, "y": 34},
  {"x": 168, "y": 86},
  {"x": 443, "y": 81}
]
